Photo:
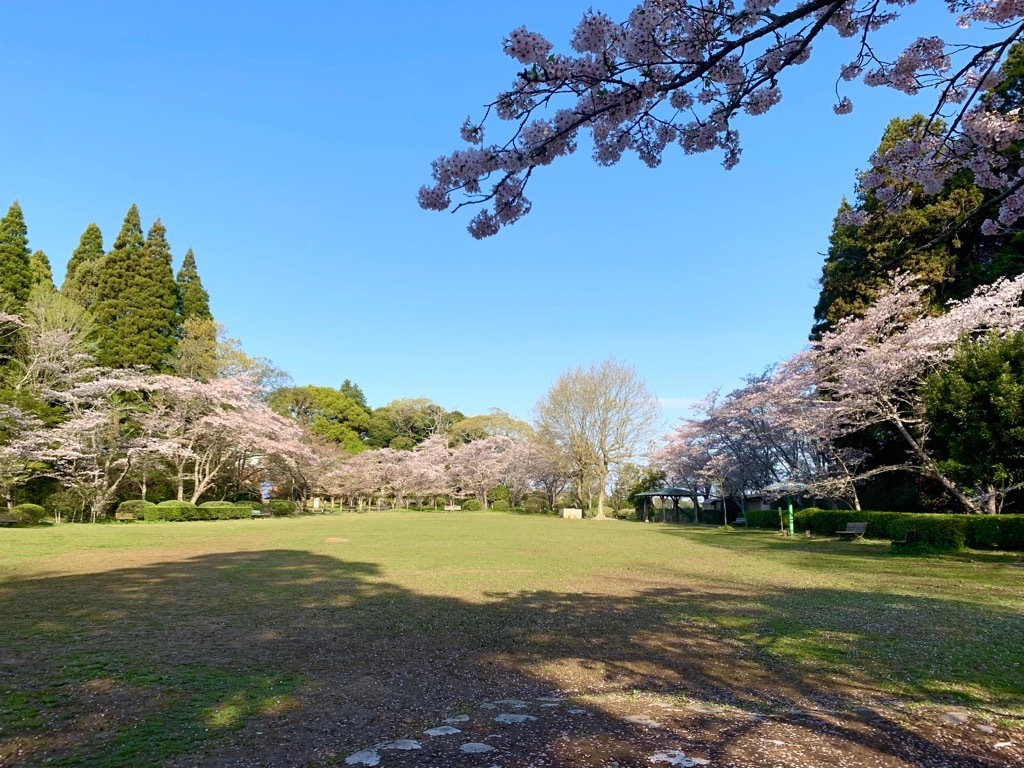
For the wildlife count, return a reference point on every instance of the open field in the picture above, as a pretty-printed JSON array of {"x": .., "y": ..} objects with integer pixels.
[{"x": 298, "y": 642}]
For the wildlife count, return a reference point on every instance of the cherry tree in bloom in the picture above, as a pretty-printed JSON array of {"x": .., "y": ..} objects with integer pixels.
[
  {"x": 9, "y": 327},
  {"x": 427, "y": 468},
  {"x": 685, "y": 455},
  {"x": 870, "y": 370},
  {"x": 91, "y": 452},
  {"x": 359, "y": 477},
  {"x": 788, "y": 425},
  {"x": 677, "y": 73},
  {"x": 22, "y": 450},
  {"x": 478, "y": 466},
  {"x": 209, "y": 428},
  {"x": 524, "y": 468}
]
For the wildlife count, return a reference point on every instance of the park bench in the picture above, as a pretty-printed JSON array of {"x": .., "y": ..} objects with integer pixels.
[
  {"x": 740, "y": 521},
  {"x": 453, "y": 508},
  {"x": 257, "y": 513},
  {"x": 6, "y": 519},
  {"x": 853, "y": 531},
  {"x": 909, "y": 538},
  {"x": 124, "y": 517}
]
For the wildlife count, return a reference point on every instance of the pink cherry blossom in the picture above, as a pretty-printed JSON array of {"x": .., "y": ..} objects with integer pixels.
[{"x": 677, "y": 74}]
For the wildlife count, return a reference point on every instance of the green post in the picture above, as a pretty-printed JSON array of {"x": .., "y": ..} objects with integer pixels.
[{"x": 790, "y": 500}]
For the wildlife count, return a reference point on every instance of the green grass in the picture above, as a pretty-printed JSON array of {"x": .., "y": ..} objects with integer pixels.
[{"x": 138, "y": 644}]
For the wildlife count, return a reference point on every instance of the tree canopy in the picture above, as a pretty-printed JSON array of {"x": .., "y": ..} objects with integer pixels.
[{"x": 680, "y": 73}]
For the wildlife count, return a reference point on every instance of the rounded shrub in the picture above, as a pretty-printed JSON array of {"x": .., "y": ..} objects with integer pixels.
[
  {"x": 499, "y": 492},
  {"x": 136, "y": 507},
  {"x": 535, "y": 505},
  {"x": 282, "y": 508},
  {"x": 501, "y": 505},
  {"x": 250, "y": 505},
  {"x": 471, "y": 505},
  {"x": 29, "y": 514}
]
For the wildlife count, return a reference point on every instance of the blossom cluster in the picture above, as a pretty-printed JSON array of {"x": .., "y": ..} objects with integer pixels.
[
  {"x": 677, "y": 73},
  {"x": 790, "y": 425}
]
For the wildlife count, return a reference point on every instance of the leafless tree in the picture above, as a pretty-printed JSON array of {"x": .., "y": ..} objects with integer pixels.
[{"x": 597, "y": 417}]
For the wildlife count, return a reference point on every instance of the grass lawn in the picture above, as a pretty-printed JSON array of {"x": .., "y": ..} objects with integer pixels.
[{"x": 299, "y": 641}]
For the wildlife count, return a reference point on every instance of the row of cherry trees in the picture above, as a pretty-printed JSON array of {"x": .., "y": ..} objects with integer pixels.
[
  {"x": 435, "y": 469},
  {"x": 205, "y": 438},
  {"x": 787, "y": 428}
]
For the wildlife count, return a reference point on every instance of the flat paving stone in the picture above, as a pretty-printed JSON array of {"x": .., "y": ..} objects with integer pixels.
[
  {"x": 402, "y": 744},
  {"x": 366, "y": 757},
  {"x": 475, "y": 748},
  {"x": 442, "y": 730},
  {"x": 509, "y": 717}
]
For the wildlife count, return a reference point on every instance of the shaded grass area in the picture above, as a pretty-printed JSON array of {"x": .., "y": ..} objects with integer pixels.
[{"x": 151, "y": 644}]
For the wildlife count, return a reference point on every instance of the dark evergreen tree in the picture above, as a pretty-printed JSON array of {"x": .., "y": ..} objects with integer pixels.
[
  {"x": 136, "y": 304},
  {"x": 975, "y": 406},
  {"x": 15, "y": 256},
  {"x": 39, "y": 266},
  {"x": 936, "y": 237},
  {"x": 355, "y": 392},
  {"x": 193, "y": 300},
  {"x": 81, "y": 278}
]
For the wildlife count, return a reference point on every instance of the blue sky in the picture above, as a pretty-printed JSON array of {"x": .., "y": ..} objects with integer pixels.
[{"x": 285, "y": 145}]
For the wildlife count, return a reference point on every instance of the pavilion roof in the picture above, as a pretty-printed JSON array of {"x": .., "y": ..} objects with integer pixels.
[{"x": 670, "y": 492}]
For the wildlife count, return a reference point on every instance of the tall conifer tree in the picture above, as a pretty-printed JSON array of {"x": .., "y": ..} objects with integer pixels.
[
  {"x": 938, "y": 237},
  {"x": 15, "y": 270},
  {"x": 82, "y": 274},
  {"x": 193, "y": 300},
  {"x": 136, "y": 302},
  {"x": 39, "y": 265}
]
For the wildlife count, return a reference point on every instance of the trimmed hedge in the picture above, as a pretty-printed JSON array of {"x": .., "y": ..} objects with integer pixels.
[
  {"x": 471, "y": 505},
  {"x": 250, "y": 505},
  {"x": 500, "y": 505},
  {"x": 182, "y": 511},
  {"x": 942, "y": 531},
  {"x": 762, "y": 518},
  {"x": 29, "y": 514},
  {"x": 217, "y": 505}
]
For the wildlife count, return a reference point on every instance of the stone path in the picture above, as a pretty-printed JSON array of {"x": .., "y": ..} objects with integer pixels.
[{"x": 477, "y": 735}]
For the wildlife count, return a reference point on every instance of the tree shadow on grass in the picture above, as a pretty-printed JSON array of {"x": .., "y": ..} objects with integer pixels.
[{"x": 288, "y": 658}]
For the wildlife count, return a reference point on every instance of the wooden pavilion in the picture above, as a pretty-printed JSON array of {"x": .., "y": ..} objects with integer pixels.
[{"x": 675, "y": 494}]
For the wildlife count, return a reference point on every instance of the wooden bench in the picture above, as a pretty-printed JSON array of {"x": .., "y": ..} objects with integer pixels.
[
  {"x": 740, "y": 521},
  {"x": 853, "y": 531},
  {"x": 909, "y": 538},
  {"x": 257, "y": 513},
  {"x": 124, "y": 517},
  {"x": 6, "y": 519}
]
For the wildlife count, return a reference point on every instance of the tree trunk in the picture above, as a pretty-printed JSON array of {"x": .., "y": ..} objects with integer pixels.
[
  {"x": 933, "y": 470},
  {"x": 991, "y": 500}
]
